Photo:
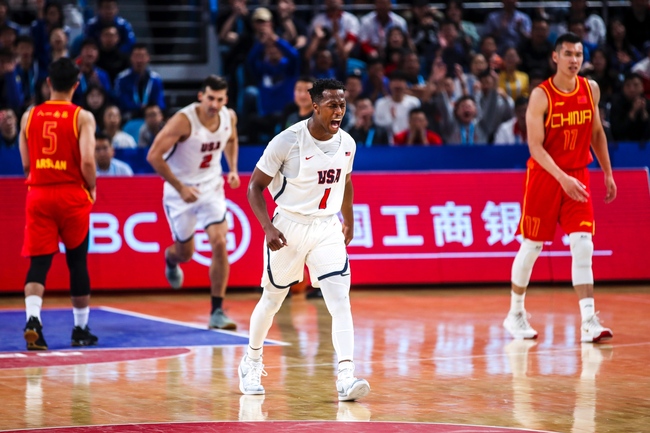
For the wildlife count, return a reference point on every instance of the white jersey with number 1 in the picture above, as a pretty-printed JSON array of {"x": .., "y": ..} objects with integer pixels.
[
  {"x": 308, "y": 176},
  {"x": 198, "y": 159}
]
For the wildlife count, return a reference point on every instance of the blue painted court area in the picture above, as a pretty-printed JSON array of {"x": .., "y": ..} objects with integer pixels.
[{"x": 116, "y": 329}]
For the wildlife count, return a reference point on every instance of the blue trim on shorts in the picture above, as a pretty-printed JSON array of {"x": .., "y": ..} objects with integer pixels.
[
  {"x": 284, "y": 185},
  {"x": 331, "y": 274},
  {"x": 215, "y": 222},
  {"x": 171, "y": 225},
  {"x": 268, "y": 270}
]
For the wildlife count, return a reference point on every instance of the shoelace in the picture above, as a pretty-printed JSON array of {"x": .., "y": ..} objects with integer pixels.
[
  {"x": 593, "y": 321},
  {"x": 256, "y": 371},
  {"x": 522, "y": 320}
]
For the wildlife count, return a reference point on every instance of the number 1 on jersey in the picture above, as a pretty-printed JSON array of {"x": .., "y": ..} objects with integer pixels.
[
  {"x": 570, "y": 137},
  {"x": 323, "y": 201}
]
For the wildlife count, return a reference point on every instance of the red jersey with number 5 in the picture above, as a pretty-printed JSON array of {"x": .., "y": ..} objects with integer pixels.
[
  {"x": 53, "y": 142},
  {"x": 568, "y": 125}
]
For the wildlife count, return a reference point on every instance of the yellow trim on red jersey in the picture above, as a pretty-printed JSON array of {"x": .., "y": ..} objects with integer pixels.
[
  {"x": 74, "y": 122},
  {"x": 550, "y": 105},
  {"x": 29, "y": 120},
  {"x": 561, "y": 93},
  {"x": 591, "y": 96}
]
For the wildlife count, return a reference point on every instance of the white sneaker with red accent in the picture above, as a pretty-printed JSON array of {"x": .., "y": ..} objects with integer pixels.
[
  {"x": 592, "y": 331},
  {"x": 517, "y": 325}
]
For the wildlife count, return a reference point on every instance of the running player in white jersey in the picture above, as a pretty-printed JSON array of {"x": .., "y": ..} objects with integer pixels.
[
  {"x": 187, "y": 154},
  {"x": 307, "y": 170}
]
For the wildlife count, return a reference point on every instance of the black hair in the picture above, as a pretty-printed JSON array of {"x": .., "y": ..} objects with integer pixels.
[
  {"x": 101, "y": 135},
  {"x": 484, "y": 73},
  {"x": 214, "y": 82},
  {"x": 57, "y": 6},
  {"x": 139, "y": 46},
  {"x": 101, "y": 2},
  {"x": 397, "y": 75},
  {"x": 568, "y": 37},
  {"x": 88, "y": 42},
  {"x": 6, "y": 53},
  {"x": 63, "y": 74},
  {"x": 306, "y": 79},
  {"x": 417, "y": 110},
  {"x": 321, "y": 85},
  {"x": 631, "y": 76},
  {"x": 24, "y": 39},
  {"x": 521, "y": 100}
]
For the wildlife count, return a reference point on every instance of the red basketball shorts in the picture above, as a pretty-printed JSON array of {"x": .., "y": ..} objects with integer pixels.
[
  {"x": 53, "y": 213},
  {"x": 546, "y": 204}
]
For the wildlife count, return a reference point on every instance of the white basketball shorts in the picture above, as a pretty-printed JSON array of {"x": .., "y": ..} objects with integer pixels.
[
  {"x": 316, "y": 242},
  {"x": 184, "y": 218}
]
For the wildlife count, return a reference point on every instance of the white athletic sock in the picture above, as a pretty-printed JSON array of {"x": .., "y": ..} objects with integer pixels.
[
  {"x": 33, "y": 306},
  {"x": 336, "y": 292},
  {"x": 587, "y": 308},
  {"x": 81, "y": 316},
  {"x": 516, "y": 302},
  {"x": 262, "y": 319},
  {"x": 345, "y": 365}
]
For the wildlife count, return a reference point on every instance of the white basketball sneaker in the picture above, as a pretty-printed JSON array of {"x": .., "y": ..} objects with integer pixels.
[
  {"x": 592, "y": 331},
  {"x": 517, "y": 325},
  {"x": 349, "y": 387},
  {"x": 250, "y": 376}
]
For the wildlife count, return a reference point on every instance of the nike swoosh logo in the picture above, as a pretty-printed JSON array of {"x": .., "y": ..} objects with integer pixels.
[
  {"x": 309, "y": 157},
  {"x": 345, "y": 275}
]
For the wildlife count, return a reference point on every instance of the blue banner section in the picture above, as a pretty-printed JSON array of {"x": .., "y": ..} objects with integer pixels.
[
  {"x": 116, "y": 330},
  {"x": 385, "y": 158}
]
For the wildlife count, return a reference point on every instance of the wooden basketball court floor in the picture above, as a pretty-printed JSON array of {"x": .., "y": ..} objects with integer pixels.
[{"x": 437, "y": 356}]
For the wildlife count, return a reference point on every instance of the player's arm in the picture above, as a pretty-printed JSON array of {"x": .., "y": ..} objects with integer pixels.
[
  {"x": 537, "y": 108},
  {"x": 258, "y": 183},
  {"x": 232, "y": 152},
  {"x": 346, "y": 210},
  {"x": 599, "y": 144},
  {"x": 22, "y": 143},
  {"x": 87, "y": 126},
  {"x": 177, "y": 129}
]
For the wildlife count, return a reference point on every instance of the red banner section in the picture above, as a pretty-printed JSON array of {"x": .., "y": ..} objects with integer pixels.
[{"x": 417, "y": 228}]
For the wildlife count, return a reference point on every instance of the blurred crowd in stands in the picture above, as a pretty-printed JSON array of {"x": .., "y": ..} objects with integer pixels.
[{"x": 415, "y": 75}]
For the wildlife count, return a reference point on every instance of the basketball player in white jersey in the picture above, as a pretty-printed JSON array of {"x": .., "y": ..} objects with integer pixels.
[
  {"x": 307, "y": 171},
  {"x": 187, "y": 154}
]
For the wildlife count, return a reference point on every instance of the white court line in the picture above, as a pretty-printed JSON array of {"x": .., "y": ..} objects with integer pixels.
[
  {"x": 188, "y": 325},
  {"x": 471, "y": 255}
]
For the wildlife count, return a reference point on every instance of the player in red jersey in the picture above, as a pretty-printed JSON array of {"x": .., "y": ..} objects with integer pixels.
[
  {"x": 563, "y": 125},
  {"x": 57, "y": 148}
]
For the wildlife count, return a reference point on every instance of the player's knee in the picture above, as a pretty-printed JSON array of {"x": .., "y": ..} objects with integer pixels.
[
  {"x": 522, "y": 266},
  {"x": 38, "y": 268},
  {"x": 271, "y": 300},
  {"x": 336, "y": 291},
  {"x": 184, "y": 255},
  {"x": 582, "y": 250},
  {"x": 218, "y": 244}
]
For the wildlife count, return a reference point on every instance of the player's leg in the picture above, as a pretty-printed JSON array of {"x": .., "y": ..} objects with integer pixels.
[
  {"x": 542, "y": 199},
  {"x": 76, "y": 259},
  {"x": 282, "y": 269},
  {"x": 34, "y": 289},
  {"x": 328, "y": 263},
  {"x": 219, "y": 272},
  {"x": 40, "y": 244},
  {"x": 182, "y": 223}
]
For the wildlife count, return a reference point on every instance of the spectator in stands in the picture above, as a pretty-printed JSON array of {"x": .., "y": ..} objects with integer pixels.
[
  {"x": 375, "y": 25},
  {"x": 488, "y": 47},
  {"x": 392, "y": 111},
  {"x": 301, "y": 108},
  {"x": 153, "y": 123},
  {"x": 508, "y": 26},
  {"x": 629, "y": 112},
  {"x": 423, "y": 30},
  {"x": 290, "y": 27},
  {"x": 342, "y": 26},
  {"x": 417, "y": 133},
  {"x": 58, "y": 44},
  {"x": 596, "y": 31},
  {"x": 28, "y": 69},
  {"x": 534, "y": 52},
  {"x": 513, "y": 81},
  {"x": 43, "y": 92},
  {"x": 412, "y": 70},
  {"x": 139, "y": 85},
  {"x": 107, "y": 165},
  {"x": 4, "y": 16},
  {"x": 537, "y": 78},
  {"x": 323, "y": 65},
  {"x": 89, "y": 73},
  {"x": 11, "y": 90},
  {"x": 463, "y": 128},
  {"x": 113, "y": 129},
  {"x": 601, "y": 73},
  {"x": 111, "y": 59},
  {"x": 8, "y": 128},
  {"x": 96, "y": 101},
  {"x": 353, "y": 89},
  {"x": 8, "y": 36},
  {"x": 454, "y": 49},
  {"x": 375, "y": 84},
  {"x": 398, "y": 44},
  {"x": 513, "y": 131},
  {"x": 275, "y": 67},
  {"x": 643, "y": 69},
  {"x": 42, "y": 28},
  {"x": 636, "y": 21},
  {"x": 365, "y": 132},
  {"x": 622, "y": 54},
  {"x": 577, "y": 27},
  {"x": 467, "y": 30},
  {"x": 494, "y": 104},
  {"x": 468, "y": 83},
  {"x": 107, "y": 13}
]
